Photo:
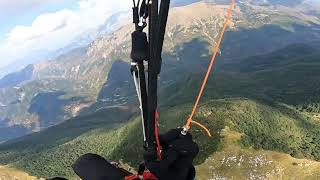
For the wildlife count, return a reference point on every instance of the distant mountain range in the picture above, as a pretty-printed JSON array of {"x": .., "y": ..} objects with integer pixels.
[{"x": 83, "y": 40}]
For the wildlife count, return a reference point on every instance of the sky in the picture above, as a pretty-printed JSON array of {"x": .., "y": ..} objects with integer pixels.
[{"x": 28, "y": 26}]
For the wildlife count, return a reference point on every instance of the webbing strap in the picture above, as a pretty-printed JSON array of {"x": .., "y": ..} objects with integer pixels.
[
  {"x": 137, "y": 83},
  {"x": 158, "y": 22},
  {"x": 152, "y": 77},
  {"x": 163, "y": 18}
]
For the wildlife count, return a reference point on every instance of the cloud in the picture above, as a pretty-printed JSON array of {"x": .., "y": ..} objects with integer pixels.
[
  {"x": 42, "y": 25},
  {"x": 47, "y": 32},
  {"x": 13, "y": 7},
  {"x": 52, "y": 31}
]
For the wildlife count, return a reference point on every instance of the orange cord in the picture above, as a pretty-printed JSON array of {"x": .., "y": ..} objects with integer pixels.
[{"x": 190, "y": 120}]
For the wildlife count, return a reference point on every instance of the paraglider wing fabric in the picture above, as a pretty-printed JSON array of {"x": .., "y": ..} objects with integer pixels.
[
  {"x": 57, "y": 178},
  {"x": 95, "y": 167}
]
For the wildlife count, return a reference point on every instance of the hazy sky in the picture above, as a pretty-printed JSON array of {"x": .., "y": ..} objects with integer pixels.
[{"x": 41, "y": 25}]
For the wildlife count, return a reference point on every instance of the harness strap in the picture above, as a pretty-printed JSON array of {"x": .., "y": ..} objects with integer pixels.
[
  {"x": 137, "y": 83},
  {"x": 161, "y": 29},
  {"x": 152, "y": 76},
  {"x": 157, "y": 27}
]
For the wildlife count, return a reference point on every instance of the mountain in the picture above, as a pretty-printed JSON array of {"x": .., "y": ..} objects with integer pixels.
[
  {"x": 18, "y": 65},
  {"x": 81, "y": 74},
  {"x": 278, "y": 2},
  {"x": 263, "y": 93},
  {"x": 177, "y": 3},
  {"x": 111, "y": 24},
  {"x": 14, "y": 79}
]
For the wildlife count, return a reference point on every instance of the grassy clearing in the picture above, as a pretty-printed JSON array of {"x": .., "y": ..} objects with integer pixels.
[
  {"x": 235, "y": 162},
  {"x": 7, "y": 173}
]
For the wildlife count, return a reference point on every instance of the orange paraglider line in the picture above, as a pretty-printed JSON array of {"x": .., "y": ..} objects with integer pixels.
[{"x": 216, "y": 50}]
